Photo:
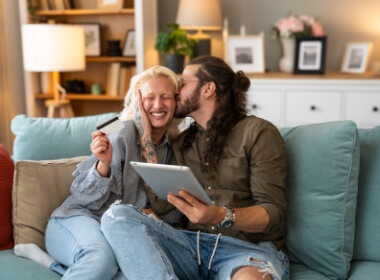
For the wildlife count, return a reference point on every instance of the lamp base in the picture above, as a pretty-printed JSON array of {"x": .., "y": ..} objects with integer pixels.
[
  {"x": 65, "y": 110},
  {"x": 203, "y": 47}
]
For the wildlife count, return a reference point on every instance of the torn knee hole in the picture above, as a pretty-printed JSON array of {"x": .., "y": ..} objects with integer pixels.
[{"x": 254, "y": 260}]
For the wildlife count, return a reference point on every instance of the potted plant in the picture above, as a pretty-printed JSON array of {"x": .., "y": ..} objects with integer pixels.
[{"x": 175, "y": 46}]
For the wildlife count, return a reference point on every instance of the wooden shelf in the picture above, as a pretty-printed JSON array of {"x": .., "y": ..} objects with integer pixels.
[
  {"x": 84, "y": 12},
  {"x": 327, "y": 75},
  {"x": 127, "y": 59},
  {"x": 83, "y": 96}
]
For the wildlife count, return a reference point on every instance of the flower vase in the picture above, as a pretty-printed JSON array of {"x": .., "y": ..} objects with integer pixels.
[{"x": 286, "y": 63}]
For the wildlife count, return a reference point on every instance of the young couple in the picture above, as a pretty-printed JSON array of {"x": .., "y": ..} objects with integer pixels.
[{"x": 239, "y": 160}]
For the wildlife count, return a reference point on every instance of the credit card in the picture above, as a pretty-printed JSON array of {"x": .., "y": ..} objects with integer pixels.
[{"x": 110, "y": 126}]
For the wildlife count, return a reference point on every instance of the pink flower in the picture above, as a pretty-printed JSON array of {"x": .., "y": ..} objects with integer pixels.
[
  {"x": 289, "y": 25},
  {"x": 302, "y": 25},
  {"x": 317, "y": 29}
]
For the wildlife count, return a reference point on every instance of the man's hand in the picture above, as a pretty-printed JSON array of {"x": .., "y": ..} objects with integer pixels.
[
  {"x": 102, "y": 150},
  {"x": 196, "y": 211}
]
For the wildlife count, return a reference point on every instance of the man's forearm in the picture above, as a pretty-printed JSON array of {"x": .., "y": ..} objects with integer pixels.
[{"x": 251, "y": 219}]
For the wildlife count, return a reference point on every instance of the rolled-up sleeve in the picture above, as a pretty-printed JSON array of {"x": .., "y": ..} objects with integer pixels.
[{"x": 268, "y": 175}]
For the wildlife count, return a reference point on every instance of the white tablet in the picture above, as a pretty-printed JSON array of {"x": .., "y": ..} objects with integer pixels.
[{"x": 165, "y": 179}]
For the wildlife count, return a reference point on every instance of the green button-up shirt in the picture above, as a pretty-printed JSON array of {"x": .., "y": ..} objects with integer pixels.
[{"x": 251, "y": 171}]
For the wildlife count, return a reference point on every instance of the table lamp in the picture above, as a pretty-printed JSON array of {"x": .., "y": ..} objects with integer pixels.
[
  {"x": 200, "y": 15},
  {"x": 54, "y": 48}
]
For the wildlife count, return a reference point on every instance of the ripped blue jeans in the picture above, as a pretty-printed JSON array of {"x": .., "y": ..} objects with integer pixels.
[{"x": 147, "y": 248}]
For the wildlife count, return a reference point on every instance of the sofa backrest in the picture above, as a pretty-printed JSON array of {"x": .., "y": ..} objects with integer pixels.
[
  {"x": 367, "y": 234},
  {"x": 322, "y": 181},
  {"x": 52, "y": 138}
]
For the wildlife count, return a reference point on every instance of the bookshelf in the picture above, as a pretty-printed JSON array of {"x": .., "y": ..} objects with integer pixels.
[{"x": 139, "y": 15}]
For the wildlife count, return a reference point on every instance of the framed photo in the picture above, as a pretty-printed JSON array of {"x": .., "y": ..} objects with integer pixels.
[
  {"x": 92, "y": 38},
  {"x": 246, "y": 53},
  {"x": 110, "y": 4},
  {"x": 129, "y": 48},
  {"x": 356, "y": 57},
  {"x": 310, "y": 55}
]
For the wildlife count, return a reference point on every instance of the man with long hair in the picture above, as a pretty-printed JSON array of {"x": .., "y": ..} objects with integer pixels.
[{"x": 240, "y": 161}]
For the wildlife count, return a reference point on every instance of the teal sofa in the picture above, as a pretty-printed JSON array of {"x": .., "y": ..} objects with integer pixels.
[{"x": 333, "y": 194}]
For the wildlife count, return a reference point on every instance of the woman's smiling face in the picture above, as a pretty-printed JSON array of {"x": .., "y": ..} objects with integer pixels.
[{"x": 158, "y": 100}]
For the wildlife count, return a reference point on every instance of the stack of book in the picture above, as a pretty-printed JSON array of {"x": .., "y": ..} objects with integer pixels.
[
  {"x": 118, "y": 78},
  {"x": 56, "y": 5}
]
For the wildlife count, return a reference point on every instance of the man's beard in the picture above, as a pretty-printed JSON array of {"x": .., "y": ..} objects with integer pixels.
[{"x": 189, "y": 105}]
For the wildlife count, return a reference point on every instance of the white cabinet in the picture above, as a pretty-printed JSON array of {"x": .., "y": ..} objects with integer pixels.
[
  {"x": 312, "y": 106},
  {"x": 289, "y": 100}
]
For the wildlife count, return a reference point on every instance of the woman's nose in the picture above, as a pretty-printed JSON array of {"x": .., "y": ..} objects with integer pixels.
[{"x": 157, "y": 103}]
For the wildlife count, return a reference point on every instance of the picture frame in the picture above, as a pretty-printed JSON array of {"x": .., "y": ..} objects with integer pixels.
[
  {"x": 110, "y": 4},
  {"x": 246, "y": 53},
  {"x": 356, "y": 57},
  {"x": 129, "y": 48},
  {"x": 92, "y": 38},
  {"x": 310, "y": 55}
]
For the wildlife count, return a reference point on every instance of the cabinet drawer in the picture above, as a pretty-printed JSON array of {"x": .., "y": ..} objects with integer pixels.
[
  {"x": 268, "y": 105},
  {"x": 312, "y": 107},
  {"x": 363, "y": 108}
]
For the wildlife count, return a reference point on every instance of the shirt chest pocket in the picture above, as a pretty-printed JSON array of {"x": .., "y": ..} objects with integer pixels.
[{"x": 233, "y": 173}]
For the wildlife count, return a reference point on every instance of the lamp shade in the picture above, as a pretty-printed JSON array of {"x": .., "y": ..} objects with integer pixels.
[
  {"x": 53, "y": 47},
  {"x": 199, "y": 14}
]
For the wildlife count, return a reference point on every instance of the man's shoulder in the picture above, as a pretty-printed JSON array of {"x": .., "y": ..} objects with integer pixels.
[{"x": 254, "y": 122}]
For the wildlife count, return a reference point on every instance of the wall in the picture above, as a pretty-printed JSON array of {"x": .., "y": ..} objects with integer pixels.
[
  {"x": 12, "y": 100},
  {"x": 343, "y": 20}
]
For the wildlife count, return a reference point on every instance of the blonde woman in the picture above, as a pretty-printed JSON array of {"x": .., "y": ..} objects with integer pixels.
[{"x": 73, "y": 235}]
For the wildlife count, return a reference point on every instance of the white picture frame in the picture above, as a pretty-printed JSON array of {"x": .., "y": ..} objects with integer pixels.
[
  {"x": 92, "y": 38},
  {"x": 129, "y": 48},
  {"x": 356, "y": 57},
  {"x": 246, "y": 53}
]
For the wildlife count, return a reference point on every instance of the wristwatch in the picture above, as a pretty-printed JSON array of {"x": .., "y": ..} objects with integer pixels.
[{"x": 229, "y": 219}]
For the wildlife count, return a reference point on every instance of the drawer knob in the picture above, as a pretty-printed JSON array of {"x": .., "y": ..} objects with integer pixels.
[
  {"x": 254, "y": 106},
  {"x": 313, "y": 108},
  {"x": 375, "y": 109}
]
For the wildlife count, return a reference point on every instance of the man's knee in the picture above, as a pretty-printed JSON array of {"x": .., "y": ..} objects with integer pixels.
[{"x": 251, "y": 273}]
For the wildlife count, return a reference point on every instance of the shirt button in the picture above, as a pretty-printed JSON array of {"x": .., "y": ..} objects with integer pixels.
[
  {"x": 209, "y": 188},
  {"x": 213, "y": 202},
  {"x": 207, "y": 139},
  {"x": 213, "y": 228},
  {"x": 206, "y": 163}
]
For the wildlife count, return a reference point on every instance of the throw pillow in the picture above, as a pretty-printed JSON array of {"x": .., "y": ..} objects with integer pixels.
[
  {"x": 39, "y": 188},
  {"x": 322, "y": 184},
  {"x": 6, "y": 179},
  {"x": 50, "y": 138}
]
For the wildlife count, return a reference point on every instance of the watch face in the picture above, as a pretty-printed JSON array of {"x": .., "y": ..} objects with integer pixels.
[{"x": 227, "y": 223}]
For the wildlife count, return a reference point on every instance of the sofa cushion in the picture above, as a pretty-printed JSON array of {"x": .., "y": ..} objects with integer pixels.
[
  {"x": 302, "y": 272},
  {"x": 364, "y": 270},
  {"x": 50, "y": 138},
  {"x": 13, "y": 267},
  {"x": 367, "y": 235},
  {"x": 6, "y": 179},
  {"x": 39, "y": 188},
  {"x": 323, "y": 167}
]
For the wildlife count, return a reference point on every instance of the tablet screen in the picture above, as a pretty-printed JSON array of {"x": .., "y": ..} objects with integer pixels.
[{"x": 164, "y": 179}]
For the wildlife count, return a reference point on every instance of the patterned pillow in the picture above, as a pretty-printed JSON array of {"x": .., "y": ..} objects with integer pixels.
[{"x": 6, "y": 180}]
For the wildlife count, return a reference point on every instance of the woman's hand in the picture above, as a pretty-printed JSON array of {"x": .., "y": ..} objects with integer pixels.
[
  {"x": 144, "y": 128},
  {"x": 141, "y": 119},
  {"x": 102, "y": 150}
]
